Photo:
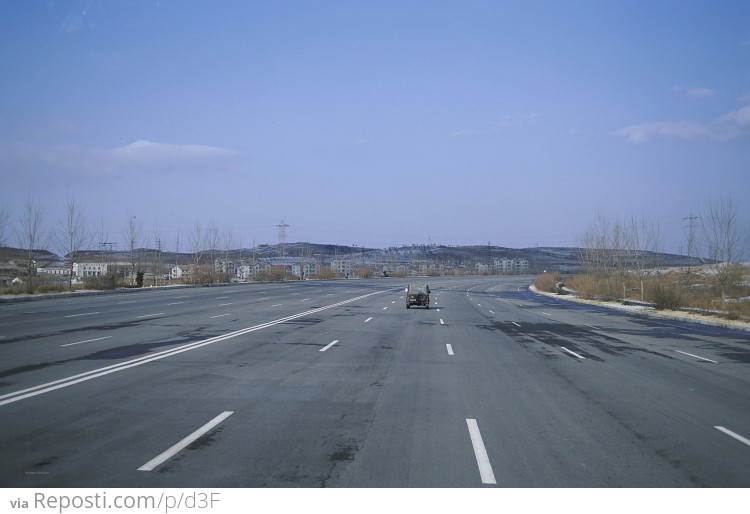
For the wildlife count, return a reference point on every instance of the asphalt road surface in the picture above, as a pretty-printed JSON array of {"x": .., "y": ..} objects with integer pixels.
[{"x": 337, "y": 384}]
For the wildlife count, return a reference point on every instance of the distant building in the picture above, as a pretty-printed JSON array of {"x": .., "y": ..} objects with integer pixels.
[
  {"x": 53, "y": 269},
  {"x": 306, "y": 267},
  {"x": 520, "y": 265},
  {"x": 482, "y": 268},
  {"x": 176, "y": 273},
  {"x": 342, "y": 266},
  {"x": 507, "y": 266},
  {"x": 253, "y": 268},
  {"x": 89, "y": 269},
  {"x": 222, "y": 266}
]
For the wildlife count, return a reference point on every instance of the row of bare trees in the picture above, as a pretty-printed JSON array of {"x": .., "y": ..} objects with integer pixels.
[
  {"x": 73, "y": 235},
  {"x": 614, "y": 253},
  {"x": 615, "y": 249}
]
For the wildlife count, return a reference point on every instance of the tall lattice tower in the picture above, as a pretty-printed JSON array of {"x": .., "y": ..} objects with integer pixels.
[{"x": 282, "y": 237}]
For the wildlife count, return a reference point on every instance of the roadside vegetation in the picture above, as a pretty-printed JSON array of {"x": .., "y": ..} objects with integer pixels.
[{"x": 620, "y": 262}]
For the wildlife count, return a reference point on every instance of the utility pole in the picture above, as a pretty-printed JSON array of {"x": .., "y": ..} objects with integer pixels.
[
  {"x": 691, "y": 242},
  {"x": 282, "y": 236}
]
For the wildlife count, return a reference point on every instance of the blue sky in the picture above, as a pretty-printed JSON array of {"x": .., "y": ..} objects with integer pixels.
[{"x": 376, "y": 123}]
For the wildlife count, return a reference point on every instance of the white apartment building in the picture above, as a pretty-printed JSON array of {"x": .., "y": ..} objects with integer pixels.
[
  {"x": 89, "y": 269},
  {"x": 342, "y": 267},
  {"x": 53, "y": 270},
  {"x": 251, "y": 269},
  {"x": 305, "y": 270},
  {"x": 506, "y": 265}
]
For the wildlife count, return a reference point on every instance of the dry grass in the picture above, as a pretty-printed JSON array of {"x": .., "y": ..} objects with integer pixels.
[
  {"x": 668, "y": 291},
  {"x": 547, "y": 282}
]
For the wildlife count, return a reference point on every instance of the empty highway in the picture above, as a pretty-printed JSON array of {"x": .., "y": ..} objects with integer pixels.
[{"x": 337, "y": 384}]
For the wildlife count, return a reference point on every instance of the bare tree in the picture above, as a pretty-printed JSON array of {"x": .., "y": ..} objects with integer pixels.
[
  {"x": 197, "y": 241},
  {"x": 619, "y": 251},
  {"x": 722, "y": 239},
  {"x": 644, "y": 240},
  {"x": 29, "y": 235},
  {"x": 132, "y": 233},
  {"x": 157, "y": 266},
  {"x": 596, "y": 254},
  {"x": 4, "y": 223},
  {"x": 228, "y": 244},
  {"x": 213, "y": 239},
  {"x": 73, "y": 235}
]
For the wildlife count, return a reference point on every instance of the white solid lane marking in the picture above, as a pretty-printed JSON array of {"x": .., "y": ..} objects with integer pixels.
[
  {"x": 84, "y": 314},
  {"x": 591, "y": 326},
  {"x": 696, "y": 356},
  {"x": 221, "y": 297},
  {"x": 732, "y": 434},
  {"x": 368, "y": 320},
  {"x": 224, "y": 304},
  {"x": 86, "y": 341},
  {"x": 450, "y": 349},
  {"x": 150, "y": 315},
  {"x": 48, "y": 387},
  {"x": 328, "y": 345},
  {"x": 574, "y": 354},
  {"x": 171, "y": 452},
  {"x": 218, "y": 316},
  {"x": 175, "y": 303},
  {"x": 516, "y": 324},
  {"x": 277, "y": 305},
  {"x": 480, "y": 452}
]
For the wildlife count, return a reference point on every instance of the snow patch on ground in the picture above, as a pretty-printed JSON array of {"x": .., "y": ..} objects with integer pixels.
[{"x": 650, "y": 311}]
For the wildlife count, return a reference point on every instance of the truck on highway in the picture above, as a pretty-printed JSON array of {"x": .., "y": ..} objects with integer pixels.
[{"x": 418, "y": 294}]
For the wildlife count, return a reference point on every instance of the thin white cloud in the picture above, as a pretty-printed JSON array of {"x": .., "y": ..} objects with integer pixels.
[
  {"x": 465, "y": 133},
  {"x": 732, "y": 125},
  {"x": 669, "y": 129},
  {"x": 516, "y": 120},
  {"x": 141, "y": 157},
  {"x": 700, "y": 92},
  {"x": 695, "y": 92},
  {"x": 510, "y": 121},
  {"x": 740, "y": 117},
  {"x": 147, "y": 153}
]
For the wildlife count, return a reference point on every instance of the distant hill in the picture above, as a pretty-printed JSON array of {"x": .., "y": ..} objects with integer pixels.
[{"x": 564, "y": 259}]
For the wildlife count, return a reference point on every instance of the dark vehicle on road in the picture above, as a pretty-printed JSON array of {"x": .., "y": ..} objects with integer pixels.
[{"x": 418, "y": 294}]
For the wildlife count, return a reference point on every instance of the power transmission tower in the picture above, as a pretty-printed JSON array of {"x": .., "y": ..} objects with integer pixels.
[
  {"x": 691, "y": 234},
  {"x": 282, "y": 237},
  {"x": 691, "y": 240}
]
